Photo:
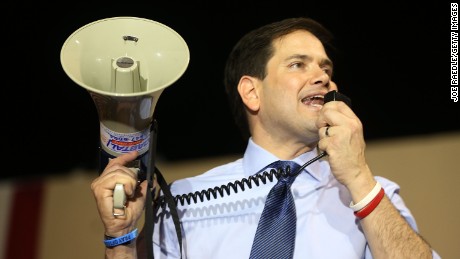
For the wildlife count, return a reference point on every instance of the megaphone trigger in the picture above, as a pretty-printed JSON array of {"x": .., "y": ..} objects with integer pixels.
[
  {"x": 119, "y": 200},
  {"x": 119, "y": 196}
]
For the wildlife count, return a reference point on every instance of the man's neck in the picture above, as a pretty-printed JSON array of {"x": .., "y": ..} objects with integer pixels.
[{"x": 283, "y": 149}]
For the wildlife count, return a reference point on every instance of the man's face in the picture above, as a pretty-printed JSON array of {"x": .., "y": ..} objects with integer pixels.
[{"x": 298, "y": 77}]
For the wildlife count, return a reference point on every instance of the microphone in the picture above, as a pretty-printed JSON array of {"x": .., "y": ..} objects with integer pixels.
[{"x": 336, "y": 96}]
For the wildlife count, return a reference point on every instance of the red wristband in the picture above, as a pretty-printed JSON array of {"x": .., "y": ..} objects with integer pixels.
[{"x": 362, "y": 213}]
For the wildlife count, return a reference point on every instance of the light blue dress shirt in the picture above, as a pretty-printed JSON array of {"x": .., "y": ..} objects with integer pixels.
[{"x": 224, "y": 227}]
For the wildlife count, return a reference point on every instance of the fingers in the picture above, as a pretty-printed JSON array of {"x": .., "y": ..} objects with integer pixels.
[
  {"x": 123, "y": 159},
  {"x": 326, "y": 136},
  {"x": 338, "y": 127},
  {"x": 335, "y": 113},
  {"x": 330, "y": 131},
  {"x": 115, "y": 172},
  {"x": 326, "y": 132},
  {"x": 118, "y": 174}
]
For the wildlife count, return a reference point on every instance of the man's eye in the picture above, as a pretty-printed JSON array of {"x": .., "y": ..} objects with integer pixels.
[
  {"x": 297, "y": 65},
  {"x": 327, "y": 70}
]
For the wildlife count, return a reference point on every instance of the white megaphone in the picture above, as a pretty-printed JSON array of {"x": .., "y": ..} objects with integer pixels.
[{"x": 125, "y": 63}]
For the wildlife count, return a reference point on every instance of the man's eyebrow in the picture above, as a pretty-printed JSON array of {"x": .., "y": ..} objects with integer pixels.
[
  {"x": 300, "y": 56},
  {"x": 307, "y": 58}
]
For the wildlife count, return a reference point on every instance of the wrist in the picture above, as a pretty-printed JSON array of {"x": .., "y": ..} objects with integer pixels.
[
  {"x": 126, "y": 239},
  {"x": 361, "y": 185},
  {"x": 116, "y": 231},
  {"x": 372, "y": 204},
  {"x": 367, "y": 199}
]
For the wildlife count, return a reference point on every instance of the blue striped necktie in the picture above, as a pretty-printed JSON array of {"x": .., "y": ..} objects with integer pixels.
[{"x": 275, "y": 235}]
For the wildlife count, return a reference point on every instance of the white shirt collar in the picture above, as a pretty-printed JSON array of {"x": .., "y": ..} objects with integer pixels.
[{"x": 255, "y": 158}]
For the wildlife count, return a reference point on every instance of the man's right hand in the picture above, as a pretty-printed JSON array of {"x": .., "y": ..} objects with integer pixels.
[{"x": 103, "y": 187}]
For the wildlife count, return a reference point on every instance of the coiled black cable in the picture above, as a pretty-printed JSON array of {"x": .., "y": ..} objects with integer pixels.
[
  {"x": 330, "y": 96},
  {"x": 226, "y": 189}
]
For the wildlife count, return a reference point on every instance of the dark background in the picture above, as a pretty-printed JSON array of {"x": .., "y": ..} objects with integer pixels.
[{"x": 394, "y": 64}]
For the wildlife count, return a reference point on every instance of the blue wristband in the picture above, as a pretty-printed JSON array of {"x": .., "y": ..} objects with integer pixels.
[{"x": 123, "y": 240}]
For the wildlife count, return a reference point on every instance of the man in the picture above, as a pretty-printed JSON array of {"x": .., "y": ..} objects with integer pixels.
[{"x": 276, "y": 78}]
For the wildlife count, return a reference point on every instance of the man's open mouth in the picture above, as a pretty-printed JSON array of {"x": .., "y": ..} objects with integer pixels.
[{"x": 317, "y": 100}]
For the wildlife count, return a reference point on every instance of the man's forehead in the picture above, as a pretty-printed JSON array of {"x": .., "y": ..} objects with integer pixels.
[{"x": 301, "y": 44}]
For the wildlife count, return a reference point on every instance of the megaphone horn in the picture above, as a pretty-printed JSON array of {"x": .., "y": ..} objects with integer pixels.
[{"x": 125, "y": 63}]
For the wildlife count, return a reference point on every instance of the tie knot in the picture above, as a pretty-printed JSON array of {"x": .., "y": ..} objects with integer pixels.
[{"x": 288, "y": 167}]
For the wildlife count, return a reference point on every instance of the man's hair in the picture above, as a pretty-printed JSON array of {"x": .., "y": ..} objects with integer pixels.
[{"x": 251, "y": 54}]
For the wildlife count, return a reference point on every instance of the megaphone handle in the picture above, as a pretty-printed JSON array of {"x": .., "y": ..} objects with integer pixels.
[
  {"x": 119, "y": 196},
  {"x": 119, "y": 199}
]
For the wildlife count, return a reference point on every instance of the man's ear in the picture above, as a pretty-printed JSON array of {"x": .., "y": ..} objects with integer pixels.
[{"x": 247, "y": 88}]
